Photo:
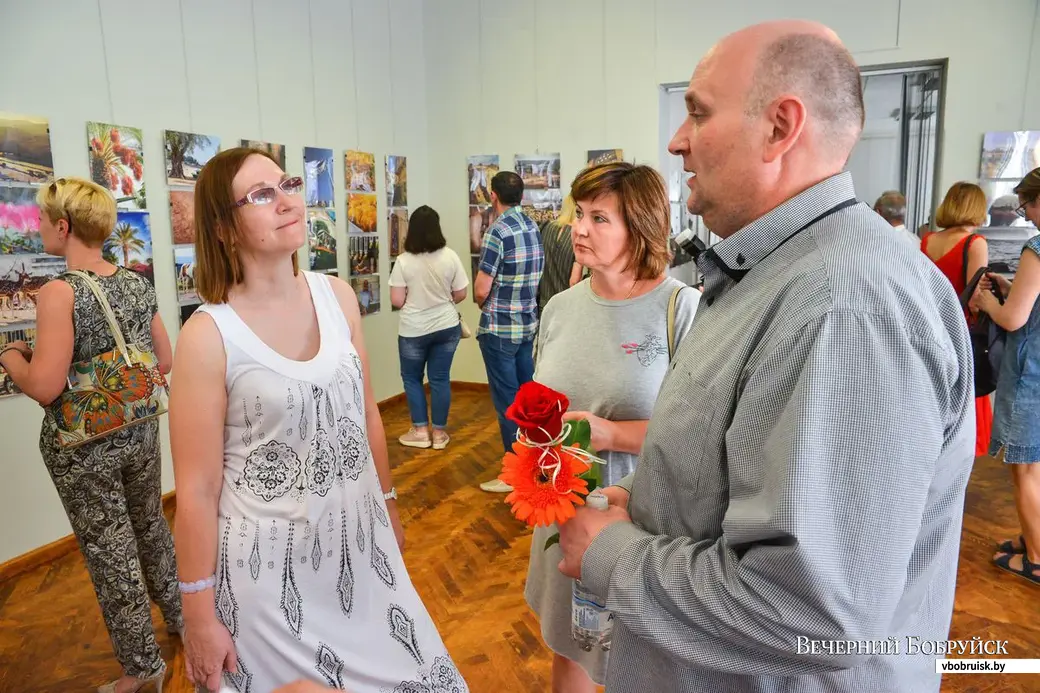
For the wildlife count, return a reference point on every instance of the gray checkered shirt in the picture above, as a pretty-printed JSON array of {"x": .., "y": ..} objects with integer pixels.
[{"x": 804, "y": 471}]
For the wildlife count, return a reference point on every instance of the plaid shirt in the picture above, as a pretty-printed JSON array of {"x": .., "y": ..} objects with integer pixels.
[{"x": 511, "y": 253}]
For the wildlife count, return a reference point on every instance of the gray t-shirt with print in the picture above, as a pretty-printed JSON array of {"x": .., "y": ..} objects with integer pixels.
[{"x": 610, "y": 357}]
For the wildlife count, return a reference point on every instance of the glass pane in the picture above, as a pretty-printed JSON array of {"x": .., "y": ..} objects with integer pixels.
[
  {"x": 922, "y": 122},
  {"x": 875, "y": 162}
]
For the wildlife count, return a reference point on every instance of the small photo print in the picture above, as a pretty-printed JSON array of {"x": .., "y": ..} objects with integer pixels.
[
  {"x": 360, "y": 171},
  {"x": 19, "y": 222},
  {"x": 116, "y": 157},
  {"x": 27, "y": 335},
  {"x": 367, "y": 290},
  {"x": 539, "y": 171},
  {"x": 480, "y": 170},
  {"x": 479, "y": 221},
  {"x": 361, "y": 212},
  {"x": 182, "y": 216},
  {"x": 21, "y": 278},
  {"x": 186, "y": 154},
  {"x": 605, "y": 156},
  {"x": 364, "y": 255},
  {"x": 317, "y": 169},
  {"x": 184, "y": 273},
  {"x": 275, "y": 150},
  {"x": 25, "y": 149},
  {"x": 398, "y": 231},
  {"x": 396, "y": 181},
  {"x": 542, "y": 205},
  {"x": 321, "y": 237},
  {"x": 130, "y": 244}
]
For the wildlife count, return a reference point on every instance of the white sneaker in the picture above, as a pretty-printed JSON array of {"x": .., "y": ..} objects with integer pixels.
[
  {"x": 415, "y": 439},
  {"x": 496, "y": 486}
]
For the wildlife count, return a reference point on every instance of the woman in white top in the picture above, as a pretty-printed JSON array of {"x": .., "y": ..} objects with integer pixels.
[
  {"x": 427, "y": 281},
  {"x": 288, "y": 536}
]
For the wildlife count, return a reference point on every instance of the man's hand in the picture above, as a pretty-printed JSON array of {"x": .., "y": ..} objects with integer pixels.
[
  {"x": 578, "y": 533},
  {"x": 616, "y": 495}
]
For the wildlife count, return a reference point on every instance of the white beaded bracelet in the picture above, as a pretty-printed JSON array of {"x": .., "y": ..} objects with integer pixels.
[{"x": 199, "y": 585}]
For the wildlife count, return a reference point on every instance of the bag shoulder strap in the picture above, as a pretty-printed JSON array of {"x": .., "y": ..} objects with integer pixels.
[
  {"x": 113, "y": 324},
  {"x": 671, "y": 320},
  {"x": 967, "y": 246}
]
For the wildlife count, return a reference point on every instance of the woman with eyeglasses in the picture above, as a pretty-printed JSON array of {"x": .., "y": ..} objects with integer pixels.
[
  {"x": 287, "y": 525},
  {"x": 110, "y": 486},
  {"x": 1016, "y": 416}
]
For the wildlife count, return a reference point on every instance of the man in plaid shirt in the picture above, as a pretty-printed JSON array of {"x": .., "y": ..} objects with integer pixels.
[{"x": 506, "y": 288}]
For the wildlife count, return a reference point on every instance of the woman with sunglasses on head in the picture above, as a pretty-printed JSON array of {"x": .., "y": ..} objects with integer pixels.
[
  {"x": 287, "y": 522},
  {"x": 110, "y": 486},
  {"x": 1016, "y": 414}
]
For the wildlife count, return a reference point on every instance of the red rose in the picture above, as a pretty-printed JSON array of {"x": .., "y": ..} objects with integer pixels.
[{"x": 538, "y": 411}]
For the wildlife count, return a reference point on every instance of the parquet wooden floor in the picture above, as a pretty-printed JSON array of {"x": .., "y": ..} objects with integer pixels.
[{"x": 468, "y": 558}]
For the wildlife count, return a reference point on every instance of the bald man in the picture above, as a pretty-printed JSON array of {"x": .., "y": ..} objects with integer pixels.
[
  {"x": 802, "y": 479},
  {"x": 892, "y": 208}
]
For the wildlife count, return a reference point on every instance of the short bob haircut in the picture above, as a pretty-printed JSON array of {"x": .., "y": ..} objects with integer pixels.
[
  {"x": 217, "y": 266},
  {"x": 964, "y": 205},
  {"x": 642, "y": 200},
  {"x": 89, "y": 208},
  {"x": 424, "y": 232}
]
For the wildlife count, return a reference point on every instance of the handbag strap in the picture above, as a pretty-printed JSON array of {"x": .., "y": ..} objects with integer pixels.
[
  {"x": 106, "y": 308},
  {"x": 967, "y": 246},
  {"x": 671, "y": 320}
]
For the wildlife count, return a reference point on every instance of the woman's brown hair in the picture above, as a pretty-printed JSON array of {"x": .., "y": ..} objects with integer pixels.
[
  {"x": 217, "y": 265},
  {"x": 643, "y": 203},
  {"x": 964, "y": 205}
]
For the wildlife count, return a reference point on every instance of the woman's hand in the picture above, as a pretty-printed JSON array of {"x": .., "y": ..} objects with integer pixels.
[
  {"x": 990, "y": 278},
  {"x": 395, "y": 522},
  {"x": 602, "y": 429},
  {"x": 209, "y": 651}
]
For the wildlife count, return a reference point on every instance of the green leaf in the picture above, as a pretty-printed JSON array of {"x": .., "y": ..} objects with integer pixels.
[
  {"x": 581, "y": 432},
  {"x": 554, "y": 539}
]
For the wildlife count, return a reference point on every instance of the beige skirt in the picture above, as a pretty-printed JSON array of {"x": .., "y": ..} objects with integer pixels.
[{"x": 548, "y": 593}]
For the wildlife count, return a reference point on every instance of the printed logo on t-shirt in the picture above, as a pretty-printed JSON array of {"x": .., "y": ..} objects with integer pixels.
[{"x": 647, "y": 351}]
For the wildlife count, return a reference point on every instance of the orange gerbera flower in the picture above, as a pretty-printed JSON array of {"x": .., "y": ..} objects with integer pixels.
[{"x": 536, "y": 499}]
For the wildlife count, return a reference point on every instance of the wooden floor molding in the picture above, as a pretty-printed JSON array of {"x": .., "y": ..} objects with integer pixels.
[
  {"x": 58, "y": 548},
  {"x": 467, "y": 557}
]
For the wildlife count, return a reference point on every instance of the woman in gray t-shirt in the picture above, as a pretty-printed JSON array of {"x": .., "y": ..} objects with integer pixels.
[{"x": 604, "y": 343}]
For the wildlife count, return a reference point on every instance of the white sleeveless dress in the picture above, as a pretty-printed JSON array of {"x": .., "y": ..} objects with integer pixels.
[{"x": 310, "y": 581}]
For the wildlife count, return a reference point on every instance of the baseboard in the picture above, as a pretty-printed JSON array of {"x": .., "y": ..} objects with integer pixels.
[{"x": 56, "y": 549}]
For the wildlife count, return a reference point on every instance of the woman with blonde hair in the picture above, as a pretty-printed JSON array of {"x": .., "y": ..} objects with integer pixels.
[
  {"x": 606, "y": 343},
  {"x": 110, "y": 486},
  {"x": 960, "y": 253},
  {"x": 560, "y": 271},
  {"x": 287, "y": 524}
]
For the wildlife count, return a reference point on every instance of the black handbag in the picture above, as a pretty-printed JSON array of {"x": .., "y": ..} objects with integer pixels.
[{"x": 987, "y": 337}]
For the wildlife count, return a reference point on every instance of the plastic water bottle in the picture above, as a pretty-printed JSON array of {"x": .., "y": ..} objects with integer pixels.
[{"x": 591, "y": 622}]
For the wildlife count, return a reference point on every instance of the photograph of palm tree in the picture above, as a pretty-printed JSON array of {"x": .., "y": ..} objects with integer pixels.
[
  {"x": 25, "y": 149},
  {"x": 182, "y": 216},
  {"x": 317, "y": 170},
  {"x": 130, "y": 244},
  {"x": 186, "y": 154},
  {"x": 117, "y": 162},
  {"x": 19, "y": 222},
  {"x": 321, "y": 239},
  {"x": 275, "y": 150}
]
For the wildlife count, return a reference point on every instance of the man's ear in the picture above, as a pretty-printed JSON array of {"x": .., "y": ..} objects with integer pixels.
[{"x": 786, "y": 117}]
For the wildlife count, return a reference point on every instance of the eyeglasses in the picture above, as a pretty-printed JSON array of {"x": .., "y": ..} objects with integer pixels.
[{"x": 267, "y": 194}]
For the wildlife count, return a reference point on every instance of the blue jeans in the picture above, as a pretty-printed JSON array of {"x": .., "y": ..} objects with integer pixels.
[
  {"x": 509, "y": 365},
  {"x": 433, "y": 353}
]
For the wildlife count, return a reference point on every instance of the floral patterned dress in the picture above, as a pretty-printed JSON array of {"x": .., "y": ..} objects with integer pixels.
[{"x": 310, "y": 581}]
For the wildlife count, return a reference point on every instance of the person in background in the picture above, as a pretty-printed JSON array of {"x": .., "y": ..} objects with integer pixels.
[
  {"x": 560, "y": 271},
  {"x": 287, "y": 524},
  {"x": 892, "y": 208},
  {"x": 803, "y": 474},
  {"x": 506, "y": 289},
  {"x": 961, "y": 213},
  {"x": 605, "y": 344},
  {"x": 1016, "y": 431},
  {"x": 110, "y": 486},
  {"x": 427, "y": 281},
  {"x": 365, "y": 297}
]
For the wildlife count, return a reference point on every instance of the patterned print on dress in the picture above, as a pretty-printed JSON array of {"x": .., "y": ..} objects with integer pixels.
[
  {"x": 329, "y": 416},
  {"x": 379, "y": 512},
  {"x": 321, "y": 458},
  {"x": 353, "y": 448},
  {"x": 271, "y": 469},
  {"x": 242, "y": 681},
  {"x": 316, "y": 552},
  {"x": 291, "y": 604},
  {"x": 259, "y": 413},
  {"x": 289, "y": 407},
  {"x": 330, "y": 666},
  {"x": 360, "y": 529},
  {"x": 345, "y": 584},
  {"x": 442, "y": 677},
  {"x": 378, "y": 558},
  {"x": 247, "y": 435},
  {"x": 303, "y": 414},
  {"x": 648, "y": 351},
  {"x": 402, "y": 628},
  {"x": 227, "y": 607},
  {"x": 355, "y": 383},
  {"x": 254, "y": 555}
]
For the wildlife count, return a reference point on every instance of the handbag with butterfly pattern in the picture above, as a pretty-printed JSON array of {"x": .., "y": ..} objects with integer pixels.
[{"x": 112, "y": 390}]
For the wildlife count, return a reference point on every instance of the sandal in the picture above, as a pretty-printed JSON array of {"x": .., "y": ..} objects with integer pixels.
[
  {"x": 1030, "y": 571},
  {"x": 1009, "y": 546}
]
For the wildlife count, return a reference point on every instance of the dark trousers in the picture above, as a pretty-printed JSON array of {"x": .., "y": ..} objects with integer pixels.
[{"x": 509, "y": 365}]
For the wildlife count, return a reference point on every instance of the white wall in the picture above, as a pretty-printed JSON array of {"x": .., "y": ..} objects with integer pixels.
[
  {"x": 571, "y": 75},
  {"x": 329, "y": 73}
]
